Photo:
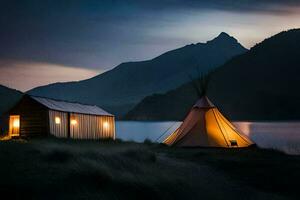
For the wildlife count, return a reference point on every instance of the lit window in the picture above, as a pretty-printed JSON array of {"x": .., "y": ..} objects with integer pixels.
[
  {"x": 73, "y": 122},
  {"x": 105, "y": 125},
  {"x": 16, "y": 123},
  {"x": 57, "y": 120}
]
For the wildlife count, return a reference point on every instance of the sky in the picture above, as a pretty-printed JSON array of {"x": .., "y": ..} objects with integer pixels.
[{"x": 49, "y": 41}]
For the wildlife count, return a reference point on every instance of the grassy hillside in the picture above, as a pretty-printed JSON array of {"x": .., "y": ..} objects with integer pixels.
[
  {"x": 261, "y": 84},
  {"x": 65, "y": 169},
  {"x": 8, "y": 98},
  {"x": 173, "y": 105},
  {"x": 122, "y": 87}
]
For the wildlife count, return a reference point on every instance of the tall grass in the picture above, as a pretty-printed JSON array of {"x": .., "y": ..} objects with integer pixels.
[{"x": 66, "y": 169}]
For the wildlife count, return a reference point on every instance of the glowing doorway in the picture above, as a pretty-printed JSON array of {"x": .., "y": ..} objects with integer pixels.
[{"x": 14, "y": 125}]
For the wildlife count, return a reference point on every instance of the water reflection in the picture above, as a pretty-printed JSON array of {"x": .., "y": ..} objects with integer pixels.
[
  {"x": 139, "y": 131},
  {"x": 284, "y": 136}
]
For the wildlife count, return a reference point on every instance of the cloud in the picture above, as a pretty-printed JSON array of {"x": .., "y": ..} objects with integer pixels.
[
  {"x": 27, "y": 75},
  {"x": 272, "y": 6},
  {"x": 101, "y": 34},
  {"x": 98, "y": 35}
]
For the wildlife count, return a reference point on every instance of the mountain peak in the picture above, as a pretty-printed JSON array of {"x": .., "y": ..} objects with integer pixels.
[
  {"x": 224, "y": 35},
  {"x": 224, "y": 38}
]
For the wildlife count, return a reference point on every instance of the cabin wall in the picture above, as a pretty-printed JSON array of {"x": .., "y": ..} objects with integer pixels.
[
  {"x": 58, "y": 129},
  {"x": 91, "y": 126},
  {"x": 33, "y": 117}
]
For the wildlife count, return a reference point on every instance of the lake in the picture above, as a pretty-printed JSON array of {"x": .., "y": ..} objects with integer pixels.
[{"x": 283, "y": 136}]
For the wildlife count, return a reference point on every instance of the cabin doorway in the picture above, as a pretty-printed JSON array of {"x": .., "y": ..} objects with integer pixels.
[{"x": 14, "y": 125}]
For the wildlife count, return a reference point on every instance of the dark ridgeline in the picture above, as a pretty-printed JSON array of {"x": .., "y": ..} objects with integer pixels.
[
  {"x": 122, "y": 87},
  {"x": 261, "y": 84},
  {"x": 8, "y": 98}
]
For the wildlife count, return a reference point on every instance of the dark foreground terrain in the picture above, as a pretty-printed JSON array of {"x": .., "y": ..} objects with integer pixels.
[{"x": 63, "y": 169}]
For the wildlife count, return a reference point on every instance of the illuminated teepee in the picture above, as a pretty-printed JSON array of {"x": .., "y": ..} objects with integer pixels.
[{"x": 205, "y": 126}]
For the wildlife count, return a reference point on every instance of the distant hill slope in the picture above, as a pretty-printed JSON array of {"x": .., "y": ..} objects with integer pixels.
[
  {"x": 122, "y": 87},
  {"x": 8, "y": 98},
  {"x": 262, "y": 84}
]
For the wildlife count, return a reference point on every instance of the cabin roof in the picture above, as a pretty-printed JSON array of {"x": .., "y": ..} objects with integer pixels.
[{"x": 71, "y": 107}]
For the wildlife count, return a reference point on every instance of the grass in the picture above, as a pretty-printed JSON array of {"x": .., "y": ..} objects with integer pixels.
[{"x": 68, "y": 169}]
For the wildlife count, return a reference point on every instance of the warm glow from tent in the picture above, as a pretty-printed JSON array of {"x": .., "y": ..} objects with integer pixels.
[
  {"x": 73, "y": 122},
  {"x": 105, "y": 125},
  {"x": 57, "y": 120},
  {"x": 16, "y": 123}
]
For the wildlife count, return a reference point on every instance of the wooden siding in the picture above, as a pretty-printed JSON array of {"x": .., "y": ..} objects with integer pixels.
[
  {"x": 58, "y": 129},
  {"x": 92, "y": 127},
  {"x": 33, "y": 117}
]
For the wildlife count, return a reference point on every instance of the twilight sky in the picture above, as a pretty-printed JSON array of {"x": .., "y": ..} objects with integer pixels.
[{"x": 48, "y": 41}]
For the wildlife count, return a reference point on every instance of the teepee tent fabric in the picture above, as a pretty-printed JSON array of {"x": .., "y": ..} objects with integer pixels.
[{"x": 205, "y": 126}]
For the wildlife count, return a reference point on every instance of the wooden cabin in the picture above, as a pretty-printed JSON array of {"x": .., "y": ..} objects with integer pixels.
[{"x": 36, "y": 116}]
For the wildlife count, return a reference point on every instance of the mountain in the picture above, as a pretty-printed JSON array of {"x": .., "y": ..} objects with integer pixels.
[
  {"x": 8, "y": 98},
  {"x": 121, "y": 88},
  {"x": 262, "y": 84}
]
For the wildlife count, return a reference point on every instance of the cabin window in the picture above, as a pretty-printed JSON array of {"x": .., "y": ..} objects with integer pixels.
[
  {"x": 233, "y": 143},
  {"x": 57, "y": 120},
  {"x": 105, "y": 125},
  {"x": 73, "y": 122},
  {"x": 14, "y": 125}
]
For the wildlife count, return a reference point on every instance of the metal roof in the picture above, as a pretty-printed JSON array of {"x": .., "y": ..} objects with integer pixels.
[{"x": 71, "y": 107}]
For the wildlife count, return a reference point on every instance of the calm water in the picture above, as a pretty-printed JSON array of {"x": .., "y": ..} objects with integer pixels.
[{"x": 284, "y": 136}]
